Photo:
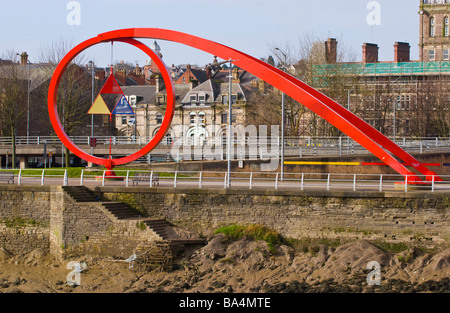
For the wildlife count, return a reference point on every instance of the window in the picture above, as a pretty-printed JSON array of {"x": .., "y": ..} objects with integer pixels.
[
  {"x": 169, "y": 139},
  {"x": 224, "y": 99},
  {"x": 225, "y": 118},
  {"x": 124, "y": 120},
  {"x": 403, "y": 102},
  {"x": 431, "y": 55},
  {"x": 202, "y": 118},
  {"x": 233, "y": 99},
  {"x": 193, "y": 99},
  {"x": 446, "y": 26},
  {"x": 432, "y": 27},
  {"x": 161, "y": 99},
  {"x": 193, "y": 115},
  {"x": 446, "y": 55},
  {"x": 158, "y": 118},
  {"x": 201, "y": 99}
]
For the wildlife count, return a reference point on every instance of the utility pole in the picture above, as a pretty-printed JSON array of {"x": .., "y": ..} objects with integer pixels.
[
  {"x": 283, "y": 96},
  {"x": 230, "y": 121}
]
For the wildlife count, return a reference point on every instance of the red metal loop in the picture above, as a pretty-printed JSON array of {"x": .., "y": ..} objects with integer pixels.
[{"x": 53, "y": 112}]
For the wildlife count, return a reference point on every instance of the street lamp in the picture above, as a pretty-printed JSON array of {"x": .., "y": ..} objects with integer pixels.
[
  {"x": 282, "y": 120},
  {"x": 92, "y": 95},
  {"x": 230, "y": 119}
]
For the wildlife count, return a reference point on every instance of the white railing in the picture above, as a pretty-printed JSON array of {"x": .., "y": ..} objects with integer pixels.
[
  {"x": 240, "y": 180},
  {"x": 304, "y": 141}
]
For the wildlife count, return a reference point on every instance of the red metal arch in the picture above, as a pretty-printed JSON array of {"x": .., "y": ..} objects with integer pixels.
[{"x": 337, "y": 115}]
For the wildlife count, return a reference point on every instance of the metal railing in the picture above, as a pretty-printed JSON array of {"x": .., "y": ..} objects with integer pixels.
[{"x": 240, "y": 180}]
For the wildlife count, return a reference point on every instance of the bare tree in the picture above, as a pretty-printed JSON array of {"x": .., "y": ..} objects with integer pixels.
[
  {"x": 74, "y": 96},
  {"x": 13, "y": 90}
]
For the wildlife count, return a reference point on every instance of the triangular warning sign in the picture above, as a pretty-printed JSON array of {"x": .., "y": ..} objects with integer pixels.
[
  {"x": 123, "y": 107},
  {"x": 99, "y": 106},
  {"x": 111, "y": 86}
]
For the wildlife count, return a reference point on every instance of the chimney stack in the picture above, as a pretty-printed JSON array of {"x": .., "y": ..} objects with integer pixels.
[
  {"x": 402, "y": 52},
  {"x": 331, "y": 50},
  {"x": 24, "y": 58},
  {"x": 370, "y": 53}
]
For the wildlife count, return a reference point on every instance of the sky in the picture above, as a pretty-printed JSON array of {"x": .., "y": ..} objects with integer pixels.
[{"x": 251, "y": 26}]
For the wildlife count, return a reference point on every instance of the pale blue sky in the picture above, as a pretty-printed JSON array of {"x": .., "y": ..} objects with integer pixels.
[{"x": 247, "y": 25}]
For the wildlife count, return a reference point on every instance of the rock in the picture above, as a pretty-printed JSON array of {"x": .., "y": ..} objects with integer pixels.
[
  {"x": 438, "y": 267},
  {"x": 352, "y": 258},
  {"x": 5, "y": 254},
  {"x": 215, "y": 249},
  {"x": 288, "y": 252}
]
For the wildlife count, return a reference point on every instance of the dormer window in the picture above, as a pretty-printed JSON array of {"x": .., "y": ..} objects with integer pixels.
[
  {"x": 132, "y": 100},
  {"x": 193, "y": 99},
  {"x": 202, "y": 99}
]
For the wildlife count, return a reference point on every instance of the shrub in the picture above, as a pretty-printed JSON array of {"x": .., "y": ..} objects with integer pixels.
[{"x": 255, "y": 232}]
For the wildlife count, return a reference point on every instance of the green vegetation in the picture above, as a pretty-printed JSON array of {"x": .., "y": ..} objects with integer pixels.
[
  {"x": 19, "y": 222},
  {"x": 141, "y": 225},
  {"x": 255, "y": 232}
]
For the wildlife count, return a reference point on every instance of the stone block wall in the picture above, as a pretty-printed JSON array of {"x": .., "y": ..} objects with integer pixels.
[
  {"x": 396, "y": 217},
  {"x": 32, "y": 217}
]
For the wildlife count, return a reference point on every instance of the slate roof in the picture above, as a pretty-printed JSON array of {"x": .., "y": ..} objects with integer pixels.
[{"x": 145, "y": 94}]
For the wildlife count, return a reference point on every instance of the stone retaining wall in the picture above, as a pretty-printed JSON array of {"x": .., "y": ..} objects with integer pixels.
[
  {"x": 395, "y": 217},
  {"x": 45, "y": 217}
]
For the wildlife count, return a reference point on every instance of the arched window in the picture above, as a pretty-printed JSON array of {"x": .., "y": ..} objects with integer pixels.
[
  {"x": 202, "y": 118},
  {"x": 432, "y": 27},
  {"x": 446, "y": 26},
  {"x": 193, "y": 116}
]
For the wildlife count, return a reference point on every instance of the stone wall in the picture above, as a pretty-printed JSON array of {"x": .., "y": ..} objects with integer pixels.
[
  {"x": 24, "y": 218},
  {"x": 393, "y": 217},
  {"x": 47, "y": 218},
  {"x": 34, "y": 217}
]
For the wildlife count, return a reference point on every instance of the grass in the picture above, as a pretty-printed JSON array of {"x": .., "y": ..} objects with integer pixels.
[
  {"x": 19, "y": 222},
  {"x": 255, "y": 232}
]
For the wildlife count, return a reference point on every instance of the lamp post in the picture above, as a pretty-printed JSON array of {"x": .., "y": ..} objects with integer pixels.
[
  {"x": 230, "y": 121},
  {"x": 283, "y": 96},
  {"x": 28, "y": 104},
  {"x": 92, "y": 95}
]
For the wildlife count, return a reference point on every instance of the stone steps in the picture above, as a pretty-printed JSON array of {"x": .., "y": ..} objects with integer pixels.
[
  {"x": 81, "y": 194},
  {"x": 160, "y": 227}
]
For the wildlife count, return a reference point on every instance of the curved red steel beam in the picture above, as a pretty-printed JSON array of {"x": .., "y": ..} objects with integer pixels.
[
  {"x": 56, "y": 123},
  {"x": 328, "y": 109}
]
